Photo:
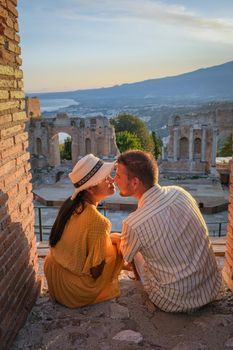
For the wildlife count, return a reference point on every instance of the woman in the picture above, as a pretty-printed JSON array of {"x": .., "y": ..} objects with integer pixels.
[{"x": 83, "y": 265}]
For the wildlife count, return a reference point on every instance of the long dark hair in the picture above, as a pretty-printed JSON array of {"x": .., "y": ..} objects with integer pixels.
[{"x": 67, "y": 209}]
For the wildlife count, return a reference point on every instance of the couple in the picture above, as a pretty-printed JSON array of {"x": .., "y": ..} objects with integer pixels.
[{"x": 166, "y": 238}]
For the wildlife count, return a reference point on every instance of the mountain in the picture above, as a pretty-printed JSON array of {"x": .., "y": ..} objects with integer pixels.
[{"x": 213, "y": 83}]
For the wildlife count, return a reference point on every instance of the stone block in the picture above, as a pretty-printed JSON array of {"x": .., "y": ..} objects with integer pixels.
[
  {"x": 6, "y": 70},
  {"x": 12, "y": 8},
  {"x": 17, "y": 94},
  {"x": 4, "y": 83},
  {"x": 4, "y": 106},
  {"x": 19, "y": 116},
  {"x": 5, "y": 120},
  {"x": 4, "y": 94},
  {"x": 7, "y": 167},
  {"x": 18, "y": 73},
  {"x": 10, "y": 131}
]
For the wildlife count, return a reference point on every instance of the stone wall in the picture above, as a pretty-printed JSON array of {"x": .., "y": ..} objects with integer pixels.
[
  {"x": 194, "y": 139},
  {"x": 228, "y": 267},
  {"x": 33, "y": 107},
  {"x": 18, "y": 260}
]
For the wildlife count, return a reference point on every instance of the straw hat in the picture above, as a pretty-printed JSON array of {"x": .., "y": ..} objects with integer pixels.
[{"x": 88, "y": 172}]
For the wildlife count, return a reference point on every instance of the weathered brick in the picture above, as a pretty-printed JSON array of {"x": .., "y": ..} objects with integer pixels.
[
  {"x": 3, "y": 13},
  {"x": 17, "y": 38},
  {"x": 9, "y": 33},
  {"x": 18, "y": 73},
  {"x": 7, "y": 167},
  {"x": 3, "y": 3},
  {"x": 5, "y": 120},
  {"x": 14, "y": 48},
  {"x": 22, "y": 105},
  {"x": 6, "y": 83},
  {"x": 6, "y": 70},
  {"x": 4, "y": 106},
  {"x": 2, "y": 40},
  {"x": 10, "y": 131},
  {"x": 19, "y": 116},
  {"x": 4, "y": 94},
  {"x": 16, "y": 26},
  {"x": 16, "y": 151},
  {"x": 11, "y": 7},
  {"x": 20, "y": 84},
  {"x": 18, "y": 60},
  {"x": 7, "y": 57},
  {"x": 10, "y": 22},
  {"x": 14, "y": 177},
  {"x": 17, "y": 94},
  {"x": 23, "y": 158},
  {"x": 21, "y": 137},
  {"x": 8, "y": 143}
]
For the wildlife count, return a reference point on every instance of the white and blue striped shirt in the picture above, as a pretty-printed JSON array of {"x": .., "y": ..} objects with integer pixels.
[{"x": 169, "y": 231}]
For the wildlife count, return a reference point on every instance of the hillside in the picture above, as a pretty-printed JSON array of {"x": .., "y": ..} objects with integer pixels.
[{"x": 213, "y": 83}]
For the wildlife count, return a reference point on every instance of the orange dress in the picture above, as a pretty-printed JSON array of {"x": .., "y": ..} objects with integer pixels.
[{"x": 84, "y": 244}]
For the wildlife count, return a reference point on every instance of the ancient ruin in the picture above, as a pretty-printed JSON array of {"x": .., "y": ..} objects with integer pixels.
[
  {"x": 193, "y": 141},
  {"x": 89, "y": 135}
]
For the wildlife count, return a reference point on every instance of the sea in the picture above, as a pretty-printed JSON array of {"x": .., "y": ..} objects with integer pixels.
[{"x": 51, "y": 105}]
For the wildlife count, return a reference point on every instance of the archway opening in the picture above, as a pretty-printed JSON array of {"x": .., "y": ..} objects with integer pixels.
[
  {"x": 184, "y": 148},
  {"x": 65, "y": 147},
  {"x": 197, "y": 148}
]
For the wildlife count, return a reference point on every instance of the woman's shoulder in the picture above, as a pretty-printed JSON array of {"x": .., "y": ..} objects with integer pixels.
[{"x": 95, "y": 217}]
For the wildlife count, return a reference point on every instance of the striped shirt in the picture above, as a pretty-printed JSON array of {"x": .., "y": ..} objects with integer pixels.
[{"x": 169, "y": 231}]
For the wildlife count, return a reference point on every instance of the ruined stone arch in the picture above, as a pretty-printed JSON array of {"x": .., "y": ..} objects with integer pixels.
[
  {"x": 100, "y": 146},
  {"x": 88, "y": 135}
]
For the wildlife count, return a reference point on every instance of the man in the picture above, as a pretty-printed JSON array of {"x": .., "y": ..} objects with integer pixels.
[{"x": 166, "y": 237}]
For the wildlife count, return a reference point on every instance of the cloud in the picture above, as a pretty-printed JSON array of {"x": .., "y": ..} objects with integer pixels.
[{"x": 157, "y": 12}]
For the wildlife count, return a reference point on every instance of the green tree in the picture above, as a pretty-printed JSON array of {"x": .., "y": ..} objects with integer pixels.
[
  {"x": 157, "y": 145},
  {"x": 227, "y": 147},
  {"x": 134, "y": 125},
  {"x": 126, "y": 140},
  {"x": 65, "y": 149}
]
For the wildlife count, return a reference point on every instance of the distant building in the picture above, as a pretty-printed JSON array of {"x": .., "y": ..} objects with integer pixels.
[
  {"x": 88, "y": 135},
  {"x": 193, "y": 141},
  {"x": 33, "y": 107}
]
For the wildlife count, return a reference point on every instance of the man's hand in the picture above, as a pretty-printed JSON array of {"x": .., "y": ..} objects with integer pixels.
[{"x": 116, "y": 240}]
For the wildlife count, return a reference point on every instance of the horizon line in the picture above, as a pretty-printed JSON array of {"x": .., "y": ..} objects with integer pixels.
[{"x": 126, "y": 83}]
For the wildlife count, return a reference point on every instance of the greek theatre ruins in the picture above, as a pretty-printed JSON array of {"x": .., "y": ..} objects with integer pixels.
[
  {"x": 89, "y": 135},
  {"x": 193, "y": 141}
]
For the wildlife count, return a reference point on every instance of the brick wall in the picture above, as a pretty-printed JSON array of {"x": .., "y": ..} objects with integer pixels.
[
  {"x": 228, "y": 267},
  {"x": 18, "y": 260}
]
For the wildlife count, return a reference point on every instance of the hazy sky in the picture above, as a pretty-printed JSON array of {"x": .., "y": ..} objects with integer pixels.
[{"x": 78, "y": 44}]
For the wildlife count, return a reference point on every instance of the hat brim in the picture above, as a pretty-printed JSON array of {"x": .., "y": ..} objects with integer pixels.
[{"x": 99, "y": 176}]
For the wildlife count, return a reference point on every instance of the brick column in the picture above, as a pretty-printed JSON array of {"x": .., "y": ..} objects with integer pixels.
[
  {"x": 18, "y": 260},
  {"x": 228, "y": 266}
]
